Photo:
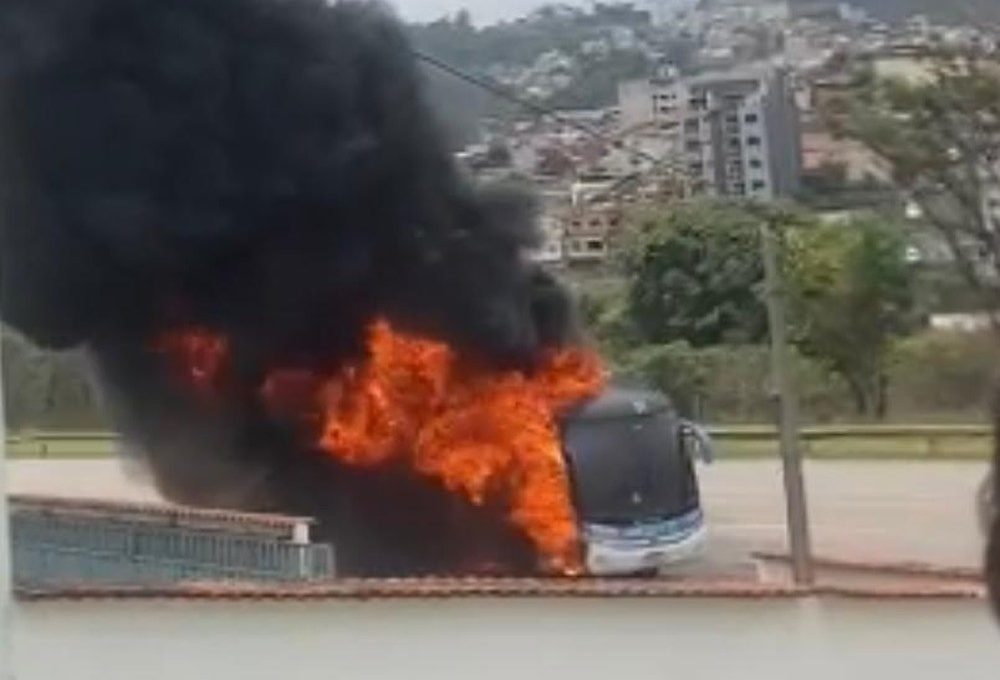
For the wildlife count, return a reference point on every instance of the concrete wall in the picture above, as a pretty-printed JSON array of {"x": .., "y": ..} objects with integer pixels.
[
  {"x": 635, "y": 103},
  {"x": 505, "y": 639}
]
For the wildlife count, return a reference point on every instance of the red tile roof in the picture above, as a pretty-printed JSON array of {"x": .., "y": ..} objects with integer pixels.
[
  {"x": 901, "y": 569},
  {"x": 502, "y": 588}
]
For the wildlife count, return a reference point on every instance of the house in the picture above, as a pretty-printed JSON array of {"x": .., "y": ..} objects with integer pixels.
[{"x": 590, "y": 233}]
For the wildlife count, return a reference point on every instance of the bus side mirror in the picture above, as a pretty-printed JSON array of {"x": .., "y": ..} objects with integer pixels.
[{"x": 696, "y": 441}]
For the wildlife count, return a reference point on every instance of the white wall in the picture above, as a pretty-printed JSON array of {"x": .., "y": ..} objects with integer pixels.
[
  {"x": 507, "y": 639},
  {"x": 635, "y": 102}
]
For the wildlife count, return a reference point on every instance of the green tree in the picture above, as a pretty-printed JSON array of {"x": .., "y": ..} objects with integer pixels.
[
  {"x": 695, "y": 275},
  {"x": 851, "y": 294},
  {"x": 941, "y": 137},
  {"x": 595, "y": 80},
  {"x": 45, "y": 389}
]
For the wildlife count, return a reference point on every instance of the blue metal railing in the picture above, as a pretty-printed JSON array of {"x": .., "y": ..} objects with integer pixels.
[{"x": 59, "y": 547}]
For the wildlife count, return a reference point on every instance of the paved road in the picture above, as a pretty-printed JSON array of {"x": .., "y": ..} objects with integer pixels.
[
  {"x": 892, "y": 511},
  {"x": 880, "y": 511}
]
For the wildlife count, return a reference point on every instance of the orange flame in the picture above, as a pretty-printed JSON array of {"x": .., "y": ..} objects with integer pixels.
[
  {"x": 489, "y": 436},
  {"x": 485, "y": 435},
  {"x": 197, "y": 354}
]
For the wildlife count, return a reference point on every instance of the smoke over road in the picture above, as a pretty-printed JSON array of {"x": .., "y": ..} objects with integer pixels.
[{"x": 267, "y": 170}]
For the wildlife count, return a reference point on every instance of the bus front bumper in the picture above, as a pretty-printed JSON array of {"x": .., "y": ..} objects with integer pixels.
[{"x": 609, "y": 554}]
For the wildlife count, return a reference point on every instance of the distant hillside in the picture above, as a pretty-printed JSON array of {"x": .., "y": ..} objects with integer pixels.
[
  {"x": 514, "y": 47},
  {"x": 974, "y": 12}
]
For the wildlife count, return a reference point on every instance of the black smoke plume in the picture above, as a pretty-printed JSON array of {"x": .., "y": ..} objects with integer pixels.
[{"x": 267, "y": 169}]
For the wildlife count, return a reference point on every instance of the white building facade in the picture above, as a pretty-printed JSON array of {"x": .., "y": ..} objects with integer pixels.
[{"x": 738, "y": 132}]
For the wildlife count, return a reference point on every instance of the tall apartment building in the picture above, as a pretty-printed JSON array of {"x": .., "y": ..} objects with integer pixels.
[{"x": 736, "y": 133}]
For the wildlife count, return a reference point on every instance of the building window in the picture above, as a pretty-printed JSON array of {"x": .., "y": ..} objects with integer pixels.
[
  {"x": 734, "y": 142},
  {"x": 751, "y": 118},
  {"x": 740, "y": 189},
  {"x": 753, "y": 140},
  {"x": 756, "y": 163},
  {"x": 732, "y": 119},
  {"x": 595, "y": 245},
  {"x": 696, "y": 168},
  {"x": 693, "y": 145},
  {"x": 692, "y": 125},
  {"x": 759, "y": 185}
]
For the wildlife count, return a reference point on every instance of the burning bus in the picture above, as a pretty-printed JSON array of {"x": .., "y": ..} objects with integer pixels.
[
  {"x": 594, "y": 478},
  {"x": 246, "y": 215}
]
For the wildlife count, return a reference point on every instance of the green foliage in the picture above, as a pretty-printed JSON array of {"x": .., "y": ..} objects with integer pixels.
[
  {"x": 933, "y": 376},
  {"x": 695, "y": 279},
  {"x": 609, "y": 323},
  {"x": 933, "y": 129},
  {"x": 46, "y": 389},
  {"x": 851, "y": 294},
  {"x": 941, "y": 372},
  {"x": 675, "y": 369},
  {"x": 940, "y": 289},
  {"x": 595, "y": 82},
  {"x": 731, "y": 383},
  {"x": 695, "y": 275},
  {"x": 941, "y": 137},
  {"x": 519, "y": 43}
]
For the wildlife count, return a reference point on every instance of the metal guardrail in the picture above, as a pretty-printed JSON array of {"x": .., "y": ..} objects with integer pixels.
[
  {"x": 960, "y": 442},
  {"x": 821, "y": 432},
  {"x": 61, "y": 444},
  {"x": 60, "y": 545},
  {"x": 57, "y": 444}
]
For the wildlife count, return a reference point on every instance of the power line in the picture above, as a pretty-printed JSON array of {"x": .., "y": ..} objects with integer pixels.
[
  {"x": 535, "y": 107},
  {"x": 541, "y": 110}
]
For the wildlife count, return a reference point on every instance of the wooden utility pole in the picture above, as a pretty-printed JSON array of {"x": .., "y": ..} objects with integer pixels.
[{"x": 788, "y": 416}]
